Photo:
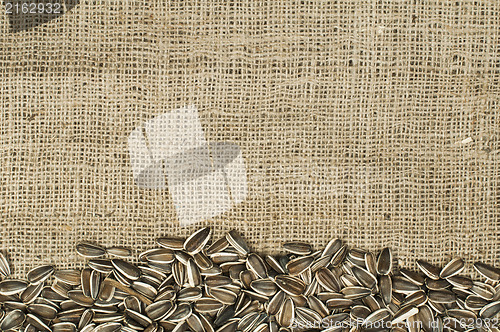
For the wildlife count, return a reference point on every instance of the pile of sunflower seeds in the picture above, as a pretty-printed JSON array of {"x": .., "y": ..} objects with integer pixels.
[{"x": 189, "y": 285}]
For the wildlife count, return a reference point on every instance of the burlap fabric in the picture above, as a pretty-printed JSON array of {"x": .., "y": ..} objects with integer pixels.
[{"x": 373, "y": 121}]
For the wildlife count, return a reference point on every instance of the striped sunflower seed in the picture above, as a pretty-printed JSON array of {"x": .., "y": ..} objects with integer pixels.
[
  {"x": 298, "y": 248},
  {"x": 455, "y": 266},
  {"x": 265, "y": 287},
  {"x": 487, "y": 271},
  {"x": 364, "y": 277},
  {"x": 257, "y": 265},
  {"x": 237, "y": 242},
  {"x": 384, "y": 262},
  {"x": 171, "y": 243},
  {"x": 13, "y": 320},
  {"x": 290, "y": 285},
  {"x": 286, "y": 314},
  {"x": 223, "y": 295},
  {"x": 12, "y": 286},
  {"x": 197, "y": 240},
  {"x": 208, "y": 305},
  {"x": 126, "y": 269},
  {"x": 89, "y": 250},
  {"x": 327, "y": 279},
  {"x": 298, "y": 265},
  {"x": 70, "y": 277},
  {"x": 120, "y": 252},
  {"x": 429, "y": 270},
  {"x": 40, "y": 274}
]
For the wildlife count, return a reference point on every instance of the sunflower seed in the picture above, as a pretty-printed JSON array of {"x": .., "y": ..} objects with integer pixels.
[
  {"x": 207, "y": 305},
  {"x": 455, "y": 266},
  {"x": 94, "y": 283},
  {"x": 355, "y": 292},
  {"x": 126, "y": 269},
  {"x": 189, "y": 294},
  {"x": 237, "y": 242},
  {"x": 298, "y": 248},
  {"x": 442, "y": 296},
  {"x": 339, "y": 303},
  {"x": 429, "y": 270},
  {"x": 31, "y": 293},
  {"x": 290, "y": 285},
  {"x": 275, "y": 303},
  {"x": 40, "y": 274},
  {"x": 223, "y": 295},
  {"x": 248, "y": 322},
  {"x": 359, "y": 312},
  {"x": 139, "y": 318},
  {"x": 436, "y": 284},
  {"x": 318, "y": 306},
  {"x": 224, "y": 257},
  {"x": 298, "y": 265},
  {"x": 37, "y": 323},
  {"x": 332, "y": 247},
  {"x": 385, "y": 288},
  {"x": 158, "y": 310},
  {"x": 145, "y": 289},
  {"x": 487, "y": 271},
  {"x": 86, "y": 318},
  {"x": 257, "y": 265},
  {"x": 119, "y": 252},
  {"x": 193, "y": 274},
  {"x": 327, "y": 279},
  {"x": 194, "y": 323},
  {"x": 160, "y": 256},
  {"x": 490, "y": 310},
  {"x": 403, "y": 285},
  {"x": 339, "y": 256},
  {"x": 181, "y": 313},
  {"x": 364, "y": 277},
  {"x": 90, "y": 250},
  {"x": 286, "y": 314},
  {"x": 171, "y": 243},
  {"x": 80, "y": 298},
  {"x": 414, "y": 277},
  {"x": 384, "y": 262},
  {"x": 265, "y": 287},
  {"x": 426, "y": 318},
  {"x": 474, "y": 302},
  {"x": 101, "y": 265},
  {"x": 307, "y": 315},
  {"x": 197, "y": 240},
  {"x": 460, "y": 282},
  {"x": 203, "y": 261},
  {"x": 12, "y": 320},
  {"x": 11, "y": 287},
  {"x": 416, "y": 299},
  {"x": 483, "y": 290},
  {"x": 218, "y": 246}
]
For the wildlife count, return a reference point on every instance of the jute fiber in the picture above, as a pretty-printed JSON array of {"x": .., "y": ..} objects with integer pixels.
[{"x": 374, "y": 121}]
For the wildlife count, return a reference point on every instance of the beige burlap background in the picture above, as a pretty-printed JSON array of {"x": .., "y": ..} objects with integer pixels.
[{"x": 374, "y": 121}]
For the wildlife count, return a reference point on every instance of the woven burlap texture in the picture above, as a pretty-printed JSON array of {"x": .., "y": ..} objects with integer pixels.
[{"x": 374, "y": 121}]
